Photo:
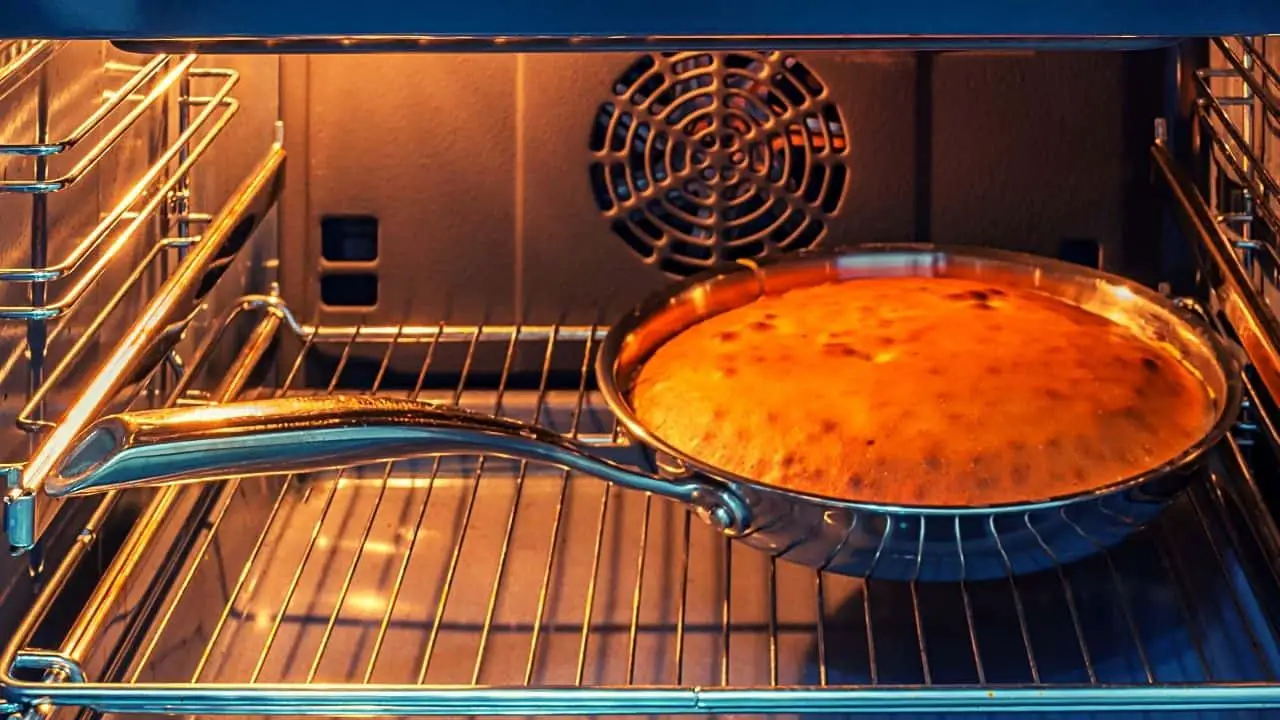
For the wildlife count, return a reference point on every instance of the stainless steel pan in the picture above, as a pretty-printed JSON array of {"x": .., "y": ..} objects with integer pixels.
[{"x": 863, "y": 538}]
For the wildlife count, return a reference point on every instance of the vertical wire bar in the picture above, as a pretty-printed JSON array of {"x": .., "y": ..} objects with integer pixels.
[
  {"x": 37, "y": 329},
  {"x": 1017, "y": 602},
  {"x": 515, "y": 506},
  {"x": 726, "y": 621},
  {"x": 820, "y": 624},
  {"x": 968, "y": 607},
  {"x": 1070, "y": 597},
  {"x": 332, "y": 493},
  {"x": 163, "y": 217},
  {"x": 347, "y": 579},
  {"x": 402, "y": 571},
  {"x": 587, "y": 611},
  {"x": 251, "y": 561},
  {"x": 183, "y": 191},
  {"x": 820, "y": 597},
  {"x": 873, "y": 665},
  {"x": 637, "y": 593},
  {"x": 1247, "y": 131},
  {"x": 915, "y": 608},
  {"x": 584, "y": 640},
  {"x": 682, "y": 609},
  {"x": 773, "y": 623},
  {"x": 549, "y": 566},
  {"x": 473, "y": 492}
]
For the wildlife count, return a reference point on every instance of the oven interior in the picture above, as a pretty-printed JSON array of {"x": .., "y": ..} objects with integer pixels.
[{"x": 462, "y": 228}]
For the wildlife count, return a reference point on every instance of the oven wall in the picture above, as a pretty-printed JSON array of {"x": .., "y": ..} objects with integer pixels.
[{"x": 476, "y": 169}]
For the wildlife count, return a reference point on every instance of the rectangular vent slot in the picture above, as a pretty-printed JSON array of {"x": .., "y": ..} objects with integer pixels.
[
  {"x": 349, "y": 238},
  {"x": 349, "y": 290}
]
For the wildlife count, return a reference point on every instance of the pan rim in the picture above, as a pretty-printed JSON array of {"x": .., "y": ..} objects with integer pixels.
[{"x": 617, "y": 398}]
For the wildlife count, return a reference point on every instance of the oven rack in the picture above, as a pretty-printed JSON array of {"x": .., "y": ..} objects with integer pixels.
[
  {"x": 53, "y": 307},
  {"x": 146, "y": 88},
  {"x": 99, "y": 279},
  {"x": 472, "y": 586},
  {"x": 1232, "y": 216},
  {"x": 1239, "y": 108}
]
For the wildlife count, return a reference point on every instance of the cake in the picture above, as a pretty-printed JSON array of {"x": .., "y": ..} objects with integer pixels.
[{"x": 921, "y": 391}]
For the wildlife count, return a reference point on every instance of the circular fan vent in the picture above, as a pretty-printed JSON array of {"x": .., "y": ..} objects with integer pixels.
[{"x": 704, "y": 157}]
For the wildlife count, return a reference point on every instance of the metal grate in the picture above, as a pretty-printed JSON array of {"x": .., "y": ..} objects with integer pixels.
[
  {"x": 55, "y": 303},
  {"x": 706, "y": 157},
  {"x": 1239, "y": 109},
  {"x": 469, "y": 572}
]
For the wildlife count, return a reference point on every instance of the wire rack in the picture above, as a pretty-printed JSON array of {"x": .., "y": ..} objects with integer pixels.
[
  {"x": 480, "y": 585},
  {"x": 64, "y": 274},
  {"x": 138, "y": 140},
  {"x": 1240, "y": 110}
]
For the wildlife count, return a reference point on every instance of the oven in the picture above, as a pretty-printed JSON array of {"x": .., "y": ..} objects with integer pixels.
[{"x": 211, "y": 202}]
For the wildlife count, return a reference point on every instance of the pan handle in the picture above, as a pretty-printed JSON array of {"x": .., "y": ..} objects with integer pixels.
[{"x": 307, "y": 434}]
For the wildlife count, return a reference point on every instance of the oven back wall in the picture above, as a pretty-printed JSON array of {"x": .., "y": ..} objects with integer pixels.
[{"x": 544, "y": 188}]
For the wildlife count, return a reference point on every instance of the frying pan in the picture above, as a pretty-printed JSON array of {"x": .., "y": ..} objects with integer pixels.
[{"x": 859, "y": 538}]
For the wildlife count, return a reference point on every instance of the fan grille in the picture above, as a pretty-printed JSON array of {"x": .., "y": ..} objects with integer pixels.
[{"x": 703, "y": 158}]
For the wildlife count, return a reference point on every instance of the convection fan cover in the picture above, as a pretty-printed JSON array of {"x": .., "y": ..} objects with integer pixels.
[{"x": 704, "y": 158}]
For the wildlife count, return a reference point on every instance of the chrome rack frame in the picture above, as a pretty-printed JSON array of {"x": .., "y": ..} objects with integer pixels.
[
  {"x": 1235, "y": 108},
  {"x": 151, "y": 338},
  {"x": 158, "y": 192}
]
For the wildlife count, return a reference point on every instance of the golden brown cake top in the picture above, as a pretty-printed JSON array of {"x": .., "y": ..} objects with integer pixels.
[{"x": 921, "y": 391}]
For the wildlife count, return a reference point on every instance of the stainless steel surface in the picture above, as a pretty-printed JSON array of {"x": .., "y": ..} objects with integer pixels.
[
  {"x": 80, "y": 258},
  {"x": 858, "y": 537},
  {"x": 518, "y": 143},
  {"x": 310, "y": 434},
  {"x": 481, "y": 586},
  {"x": 158, "y": 330}
]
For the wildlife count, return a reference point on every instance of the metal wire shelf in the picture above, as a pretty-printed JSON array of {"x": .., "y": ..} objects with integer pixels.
[
  {"x": 143, "y": 198},
  {"x": 20, "y": 58},
  {"x": 1239, "y": 108},
  {"x": 481, "y": 586},
  {"x": 55, "y": 304}
]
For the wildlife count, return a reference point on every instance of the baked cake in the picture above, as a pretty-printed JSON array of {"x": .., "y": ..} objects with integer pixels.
[{"x": 917, "y": 391}]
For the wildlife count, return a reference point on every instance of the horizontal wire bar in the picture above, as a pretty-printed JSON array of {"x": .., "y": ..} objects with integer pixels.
[
  {"x": 329, "y": 699},
  {"x": 450, "y": 333}
]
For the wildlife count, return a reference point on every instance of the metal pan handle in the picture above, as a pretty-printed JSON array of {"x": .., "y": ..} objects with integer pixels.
[{"x": 307, "y": 434}]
